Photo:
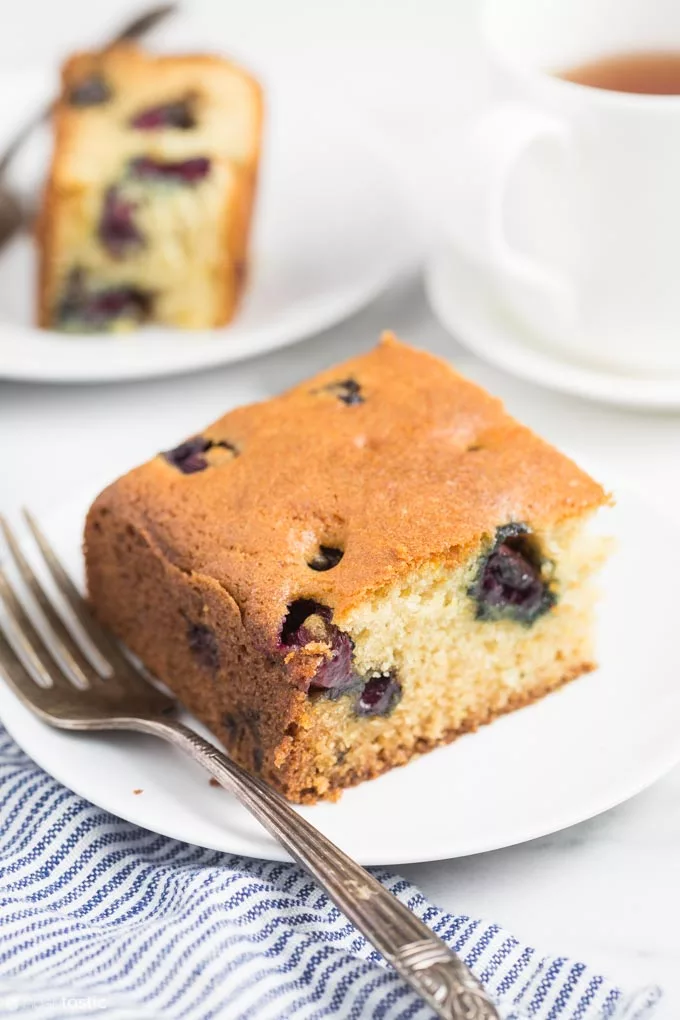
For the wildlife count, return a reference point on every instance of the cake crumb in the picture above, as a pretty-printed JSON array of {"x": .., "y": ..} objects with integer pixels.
[
  {"x": 214, "y": 782},
  {"x": 136, "y": 792}
]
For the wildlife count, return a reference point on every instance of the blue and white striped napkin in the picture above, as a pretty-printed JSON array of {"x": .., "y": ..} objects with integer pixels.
[{"x": 99, "y": 918}]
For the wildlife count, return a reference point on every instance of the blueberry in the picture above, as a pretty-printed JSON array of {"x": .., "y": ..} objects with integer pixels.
[
  {"x": 203, "y": 643},
  {"x": 379, "y": 695},
  {"x": 168, "y": 115},
  {"x": 117, "y": 229},
  {"x": 510, "y": 584},
  {"x": 251, "y": 718},
  {"x": 238, "y": 724},
  {"x": 91, "y": 91},
  {"x": 336, "y": 674},
  {"x": 309, "y": 622},
  {"x": 189, "y": 457},
  {"x": 187, "y": 171},
  {"x": 326, "y": 558},
  {"x": 298, "y": 612},
  {"x": 81, "y": 309},
  {"x": 230, "y": 723},
  {"x": 115, "y": 303},
  {"x": 348, "y": 391}
]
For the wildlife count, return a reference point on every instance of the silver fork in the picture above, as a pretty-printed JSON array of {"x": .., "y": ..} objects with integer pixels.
[{"x": 78, "y": 684}]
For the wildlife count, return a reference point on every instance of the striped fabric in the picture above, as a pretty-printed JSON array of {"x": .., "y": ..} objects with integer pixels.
[{"x": 99, "y": 918}]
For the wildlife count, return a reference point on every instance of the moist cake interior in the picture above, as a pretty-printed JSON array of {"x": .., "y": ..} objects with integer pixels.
[{"x": 432, "y": 662}]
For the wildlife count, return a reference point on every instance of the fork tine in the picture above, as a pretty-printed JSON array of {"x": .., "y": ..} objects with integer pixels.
[
  {"x": 22, "y": 635},
  {"x": 20, "y": 680},
  {"x": 101, "y": 647},
  {"x": 65, "y": 649}
]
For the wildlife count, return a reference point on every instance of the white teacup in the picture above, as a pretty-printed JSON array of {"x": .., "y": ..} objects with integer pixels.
[{"x": 570, "y": 195}]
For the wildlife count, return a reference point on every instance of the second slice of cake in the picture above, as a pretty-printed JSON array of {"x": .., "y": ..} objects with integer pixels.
[
  {"x": 147, "y": 207},
  {"x": 354, "y": 572}
]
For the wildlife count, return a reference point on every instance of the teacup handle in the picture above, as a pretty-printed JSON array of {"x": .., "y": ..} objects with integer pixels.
[{"x": 477, "y": 225}]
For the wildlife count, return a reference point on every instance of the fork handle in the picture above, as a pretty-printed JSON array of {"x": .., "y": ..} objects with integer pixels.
[{"x": 421, "y": 958}]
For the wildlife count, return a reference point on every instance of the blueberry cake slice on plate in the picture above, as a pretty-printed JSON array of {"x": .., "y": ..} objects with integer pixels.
[
  {"x": 147, "y": 207},
  {"x": 352, "y": 573}
]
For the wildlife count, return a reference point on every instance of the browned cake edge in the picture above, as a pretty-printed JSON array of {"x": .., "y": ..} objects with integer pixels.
[
  {"x": 44, "y": 238},
  {"x": 242, "y": 693}
]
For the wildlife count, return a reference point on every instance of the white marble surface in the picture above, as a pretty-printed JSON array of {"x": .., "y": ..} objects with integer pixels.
[{"x": 607, "y": 891}]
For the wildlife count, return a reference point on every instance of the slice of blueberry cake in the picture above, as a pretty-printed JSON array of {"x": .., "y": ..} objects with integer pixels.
[
  {"x": 147, "y": 207},
  {"x": 354, "y": 572}
]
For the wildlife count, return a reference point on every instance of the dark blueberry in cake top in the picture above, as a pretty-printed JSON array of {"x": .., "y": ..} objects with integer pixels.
[
  {"x": 178, "y": 114},
  {"x": 186, "y": 171},
  {"x": 84, "y": 309},
  {"x": 308, "y": 622},
  {"x": 91, "y": 91},
  {"x": 347, "y": 390},
  {"x": 379, "y": 695},
  {"x": 510, "y": 584},
  {"x": 203, "y": 643},
  {"x": 326, "y": 558},
  {"x": 117, "y": 229},
  {"x": 189, "y": 457}
]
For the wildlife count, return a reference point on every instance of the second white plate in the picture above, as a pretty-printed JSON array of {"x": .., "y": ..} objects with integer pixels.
[
  {"x": 469, "y": 307},
  {"x": 332, "y": 228},
  {"x": 572, "y": 755}
]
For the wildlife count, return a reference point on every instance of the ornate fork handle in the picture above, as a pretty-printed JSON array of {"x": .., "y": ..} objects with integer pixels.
[{"x": 423, "y": 960}]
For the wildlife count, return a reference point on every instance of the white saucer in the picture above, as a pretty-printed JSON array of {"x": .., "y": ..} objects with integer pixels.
[
  {"x": 468, "y": 306},
  {"x": 576, "y": 753},
  {"x": 332, "y": 229}
]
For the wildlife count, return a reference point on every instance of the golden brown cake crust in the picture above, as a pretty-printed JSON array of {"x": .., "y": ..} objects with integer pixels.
[
  {"x": 158, "y": 76},
  {"x": 427, "y": 467},
  {"x": 394, "y": 459}
]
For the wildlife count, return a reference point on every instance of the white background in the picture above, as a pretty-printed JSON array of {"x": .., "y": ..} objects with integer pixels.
[{"x": 607, "y": 891}]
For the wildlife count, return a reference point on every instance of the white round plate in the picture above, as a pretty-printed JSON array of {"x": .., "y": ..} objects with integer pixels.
[
  {"x": 468, "y": 306},
  {"x": 332, "y": 228},
  {"x": 566, "y": 758}
]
